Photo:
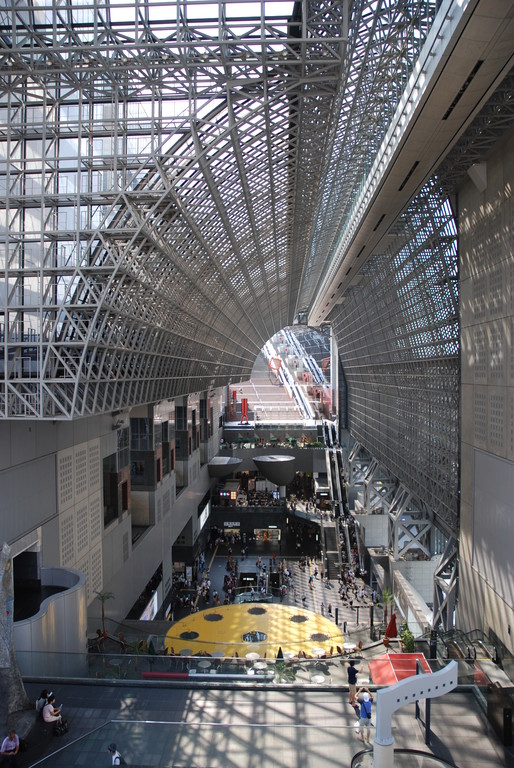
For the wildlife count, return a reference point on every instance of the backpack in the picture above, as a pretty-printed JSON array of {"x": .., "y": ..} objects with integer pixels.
[
  {"x": 61, "y": 728},
  {"x": 366, "y": 709},
  {"x": 121, "y": 760}
]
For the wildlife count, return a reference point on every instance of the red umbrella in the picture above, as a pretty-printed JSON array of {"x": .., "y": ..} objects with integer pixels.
[{"x": 391, "y": 630}]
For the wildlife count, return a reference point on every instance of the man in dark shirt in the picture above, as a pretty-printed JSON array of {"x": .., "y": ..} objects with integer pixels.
[{"x": 352, "y": 681}]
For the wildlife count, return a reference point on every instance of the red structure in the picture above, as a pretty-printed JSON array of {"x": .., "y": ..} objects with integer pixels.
[
  {"x": 244, "y": 410},
  {"x": 392, "y": 667}
]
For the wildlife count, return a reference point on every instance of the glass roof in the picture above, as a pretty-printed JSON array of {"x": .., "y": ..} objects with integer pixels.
[{"x": 174, "y": 179}]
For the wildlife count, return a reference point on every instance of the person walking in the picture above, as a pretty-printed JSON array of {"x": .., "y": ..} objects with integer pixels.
[
  {"x": 365, "y": 714},
  {"x": 117, "y": 758},
  {"x": 352, "y": 681}
]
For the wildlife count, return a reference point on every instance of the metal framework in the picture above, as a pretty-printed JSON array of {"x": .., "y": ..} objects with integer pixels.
[
  {"x": 158, "y": 179},
  {"x": 410, "y": 525},
  {"x": 173, "y": 189},
  {"x": 379, "y": 488},
  {"x": 445, "y": 587},
  {"x": 359, "y": 461},
  {"x": 397, "y": 334},
  {"x": 379, "y": 60}
]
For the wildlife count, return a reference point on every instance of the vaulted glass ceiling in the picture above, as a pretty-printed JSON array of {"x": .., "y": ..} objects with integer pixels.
[
  {"x": 174, "y": 181},
  {"x": 160, "y": 161}
]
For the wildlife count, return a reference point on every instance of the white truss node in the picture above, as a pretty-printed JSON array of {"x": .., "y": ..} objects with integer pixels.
[
  {"x": 410, "y": 526},
  {"x": 359, "y": 460},
  {"x": 445, "y": 588},
  {"x": 379, "y": 488}
]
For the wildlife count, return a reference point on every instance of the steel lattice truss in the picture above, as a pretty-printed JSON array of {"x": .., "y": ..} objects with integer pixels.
[
  {"x": 397, "y": 332},
  {"x": 172, "y": 189},
  {"x": 161, "y": 181},
  {"x": 494, "y": 120},
  {"x": 379, "y": 60}
]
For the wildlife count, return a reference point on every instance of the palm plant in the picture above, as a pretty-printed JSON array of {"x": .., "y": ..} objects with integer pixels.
[
  {"x": 103, "y": 597},
  {"x": 387, "y": 600}
]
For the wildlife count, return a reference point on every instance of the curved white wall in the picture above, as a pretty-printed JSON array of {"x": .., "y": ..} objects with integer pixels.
[{"x": 60, "y": 625}]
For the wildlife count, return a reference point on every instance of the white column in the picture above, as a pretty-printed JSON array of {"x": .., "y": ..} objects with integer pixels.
[
  {"x": 407, "y": 691},
  {"x": 383, "y": 755}
]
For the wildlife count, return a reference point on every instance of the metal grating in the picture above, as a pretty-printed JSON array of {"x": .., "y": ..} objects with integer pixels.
[
  {"x": 157, "y": 180},
  {"x": 397, "y": 333},
  {"x": 171, "y": 190},
  {"x": 384, "y": 42}
]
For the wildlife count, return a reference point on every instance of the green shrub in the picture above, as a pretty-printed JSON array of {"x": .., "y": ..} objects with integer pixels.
[{"x": 407, "y": 639}]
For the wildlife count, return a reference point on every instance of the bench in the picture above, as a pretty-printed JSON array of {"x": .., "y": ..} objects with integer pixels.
[
  {"x": 164, "y": 675},
  {"x": 39, "y": 739}
]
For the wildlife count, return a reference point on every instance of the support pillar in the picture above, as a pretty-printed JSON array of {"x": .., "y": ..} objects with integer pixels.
[
  {"x": 397, "y": 696},
  {"x": 383, "y": 755}
]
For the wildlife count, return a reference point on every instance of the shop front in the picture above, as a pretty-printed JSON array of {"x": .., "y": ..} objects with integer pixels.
[
  {"x": 272, "y": 534},
  {"x": 245, "y": 525}
]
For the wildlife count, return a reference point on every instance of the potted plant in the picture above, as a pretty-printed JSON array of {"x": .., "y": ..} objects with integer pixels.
[
  {"x": 283, "y": 672},
  {"x": 408, "y": 643}
]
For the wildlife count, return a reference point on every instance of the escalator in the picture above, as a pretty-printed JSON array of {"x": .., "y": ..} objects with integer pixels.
[{"x": 331, "y": 552}]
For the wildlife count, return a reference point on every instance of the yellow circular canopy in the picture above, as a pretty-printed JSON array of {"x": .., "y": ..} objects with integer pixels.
[{"x": 262, "y": 628}]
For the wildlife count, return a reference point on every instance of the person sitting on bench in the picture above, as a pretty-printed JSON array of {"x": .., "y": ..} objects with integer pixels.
[
  {"x": 9, "y": 749},
  {"x": 51, "y": 713}
]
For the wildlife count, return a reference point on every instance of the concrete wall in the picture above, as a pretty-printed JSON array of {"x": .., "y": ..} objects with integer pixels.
[
  {"x": 126, "y": 576},
  {"x": 375, "y": 529},
  {"x": 420, "y": 574},
  {"x": 51, "y": 491},
  {"x": 414, "y": 609},
  {"x": 60, "y": 626},
  {"x": 51, "y": 498},
  {"x": 486, "y": 242}
]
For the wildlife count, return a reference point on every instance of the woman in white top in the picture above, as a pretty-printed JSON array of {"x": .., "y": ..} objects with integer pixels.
[{"x": 51, "y": 714}]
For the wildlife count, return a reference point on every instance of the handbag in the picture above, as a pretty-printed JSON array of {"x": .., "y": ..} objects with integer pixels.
[{"x": 61, "y": 728}]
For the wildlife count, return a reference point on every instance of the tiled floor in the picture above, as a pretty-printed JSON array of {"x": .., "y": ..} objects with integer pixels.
[
  {"x": 186, "y": 726},
  {"x": 166, "y": 726}
]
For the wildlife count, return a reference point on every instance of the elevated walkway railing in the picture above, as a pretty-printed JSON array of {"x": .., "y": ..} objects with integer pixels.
[{"x": 323, "y": 672}]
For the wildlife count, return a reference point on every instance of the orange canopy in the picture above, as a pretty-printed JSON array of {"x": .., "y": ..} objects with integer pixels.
[{"x": 392, "y": 667}]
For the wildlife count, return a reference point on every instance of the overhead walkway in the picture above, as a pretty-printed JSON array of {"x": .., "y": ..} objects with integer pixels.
[{"x": 433, "y": 111}]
